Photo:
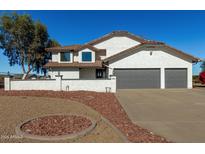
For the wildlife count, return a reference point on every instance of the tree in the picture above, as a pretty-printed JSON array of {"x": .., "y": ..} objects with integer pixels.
[{"x": 24, "y": 41}]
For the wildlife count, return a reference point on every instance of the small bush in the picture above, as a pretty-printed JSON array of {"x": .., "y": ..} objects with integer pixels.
[{"x": 202, "y": 77}]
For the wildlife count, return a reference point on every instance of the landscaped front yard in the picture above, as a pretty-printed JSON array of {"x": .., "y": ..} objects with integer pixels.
[{"x": 19, "y": 106}]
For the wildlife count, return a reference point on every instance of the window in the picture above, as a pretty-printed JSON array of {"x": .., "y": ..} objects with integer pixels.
[
  {"x": 86, "y": 56},
  {"x": 99, "y": 73},
  {"x": 65, "y": 56}
]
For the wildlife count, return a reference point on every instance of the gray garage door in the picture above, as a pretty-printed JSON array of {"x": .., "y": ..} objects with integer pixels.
[
  {"x": 137, "y": 78},
  {"x": 176, "y": 78}
]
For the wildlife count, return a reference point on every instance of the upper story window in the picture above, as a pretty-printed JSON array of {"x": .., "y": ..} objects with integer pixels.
[
  {"x": 87, "y": 56},
  {"x": 65, "y": 57}
]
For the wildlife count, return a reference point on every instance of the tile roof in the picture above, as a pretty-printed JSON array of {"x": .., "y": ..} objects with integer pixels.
[
  {"x": 64, "y": 48},
  {"x": 96, "y": 64},
  {"x": 116, "y": 33},
  {"x": 143, "y": 43},
  {"x": 74, "y": 48},
  {"x": 152, "y": 44}
]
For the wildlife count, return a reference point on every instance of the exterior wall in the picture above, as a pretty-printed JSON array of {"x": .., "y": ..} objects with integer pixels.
[
  {"x": 58, "y": 84},
  {"x": 158, "y": 59},
  {"x": 90, "y": 85},
  {"x": 89, "y": 73},
  {"x": 116, "y": 44},
  {"x": 75, "y": 56},
  {"x": 68, "y": 73},
  {"x": 33, "y": 85},
  {"x": 54, "y": 57},
  {"x": 80, "y": 55},
  {"x": 189, "y": 75}
]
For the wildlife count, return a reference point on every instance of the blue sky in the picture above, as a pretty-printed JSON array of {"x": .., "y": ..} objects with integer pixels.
[{"x": 184, "y": 30}]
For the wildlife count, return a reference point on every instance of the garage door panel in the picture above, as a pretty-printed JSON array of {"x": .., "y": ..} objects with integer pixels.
[
  {"x": 176, "y": 78},
  {"x": 137, "y": 78}
]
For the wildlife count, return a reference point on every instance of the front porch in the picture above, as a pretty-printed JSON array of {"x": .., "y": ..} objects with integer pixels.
[
  {"x": 93, "y": 73},
  {"x": 76, "y": 70}
]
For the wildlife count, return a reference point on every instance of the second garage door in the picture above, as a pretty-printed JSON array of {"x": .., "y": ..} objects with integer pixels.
[
  {"x": 137, "y": 78},
  {"x": 176, "y": 78}
]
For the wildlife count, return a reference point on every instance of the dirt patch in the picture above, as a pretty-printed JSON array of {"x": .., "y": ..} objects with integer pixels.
[
  {"x": 14, "y": 111},
  {"x": 106, "y": 104}
]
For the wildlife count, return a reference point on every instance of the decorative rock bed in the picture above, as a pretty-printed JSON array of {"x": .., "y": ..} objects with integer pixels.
[
  {"x": 106, "y": 104},
  {"x": 54, "y": 127}
]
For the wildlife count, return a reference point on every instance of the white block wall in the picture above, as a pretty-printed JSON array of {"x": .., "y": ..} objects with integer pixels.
[
  {"x": 158, "y": 59},
  {"x": 90, "y": 85},
  {"x": 34, "y": 85},
  {"x": 65, "y": 85}
]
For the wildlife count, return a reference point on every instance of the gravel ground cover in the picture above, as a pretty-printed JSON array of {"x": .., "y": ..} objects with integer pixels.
[
  {"x": 56, "y": 125},
  {"x": 104, "y": 103},
  {"x": 16, "y": 110}
]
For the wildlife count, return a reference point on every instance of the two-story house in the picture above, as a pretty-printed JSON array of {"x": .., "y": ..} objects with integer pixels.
[{"x": 136, "y": 62}]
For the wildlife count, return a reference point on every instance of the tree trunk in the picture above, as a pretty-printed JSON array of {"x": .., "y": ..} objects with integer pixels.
[
  {"x": 22, "y": 64},
  {"x": 44, "y": 73},
  {"x": 24, "y": 71},
  {"x": 25, "y": 76}
]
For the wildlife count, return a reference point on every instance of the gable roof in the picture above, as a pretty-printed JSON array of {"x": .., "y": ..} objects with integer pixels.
[
  {"x": 153, "y": 44},
  {"x": 96, "y": 64},
  {"x": 74, "y": 48},
  {"x": 64, "y": 48},
  {"x": 114, "y": 34},
  {"x": 90, "y": 47},
  {"x": 189, "y": 56},
  {"x": 143, "y": 43}
]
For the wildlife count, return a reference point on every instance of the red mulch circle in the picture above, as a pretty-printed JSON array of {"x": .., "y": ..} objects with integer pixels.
[
  {"x": 106, "y": 104},
  {"x": 56, "y": 125}
]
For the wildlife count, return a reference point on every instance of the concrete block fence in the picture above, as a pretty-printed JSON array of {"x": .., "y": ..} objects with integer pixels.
[{"x": 59, "y": 84}]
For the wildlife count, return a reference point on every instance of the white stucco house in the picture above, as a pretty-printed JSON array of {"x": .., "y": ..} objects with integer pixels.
[
  {"x": 136, "y": 63},
  {"x": 119, "y": 60}
]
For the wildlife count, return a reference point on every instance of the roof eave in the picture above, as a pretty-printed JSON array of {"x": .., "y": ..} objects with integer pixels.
[
  {"x": 160, "y": 44},
  {"x": 116, "y": 33},
  {"x": 189, "y": 56}
]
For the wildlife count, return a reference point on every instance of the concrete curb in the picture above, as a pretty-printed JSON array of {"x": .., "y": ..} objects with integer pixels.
[{"x": 20, "y": 133}]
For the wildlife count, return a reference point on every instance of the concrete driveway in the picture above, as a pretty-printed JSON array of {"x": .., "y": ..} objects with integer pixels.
[{"x": 176, "y": 114}]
